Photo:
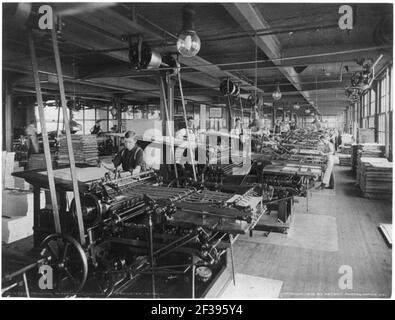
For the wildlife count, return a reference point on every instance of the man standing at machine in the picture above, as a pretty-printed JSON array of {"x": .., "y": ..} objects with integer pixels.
[
  {"x": 238, "y": 131},
  {"x": 31, "y": 132},
  {"x": 131, "y": 157},
  {"x": 317, "y": 124},
  {"x": 182, "y": 134},
  {"x": 277, "y": 127},
  {"x": 96, "y": 129},
  {"x": 326, "y": 148}
]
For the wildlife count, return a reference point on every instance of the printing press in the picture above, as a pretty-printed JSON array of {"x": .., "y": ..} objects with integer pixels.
[{"x": 143, "y": 239}]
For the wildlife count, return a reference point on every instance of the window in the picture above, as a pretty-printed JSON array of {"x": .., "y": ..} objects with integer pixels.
[
  {"x": 365, "y": 105},
  {"x": 374, "y": 110},
  {"x": 370, "y": 122},
  {"x": 53, "y": 115},
  {"x": 381, "y": 128},
  {"x": 383, "y": 93},
  {"x": 102, "y": 115},
  {"x": 372, "y": 102}
]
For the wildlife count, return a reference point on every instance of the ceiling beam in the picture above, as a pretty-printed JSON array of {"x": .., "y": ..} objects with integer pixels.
[
  {"x": 249, "y": 17},
  {"x": 333, "y": 53},
  {"x": 210, "y": 76},
  {"x": 123, "y": 85}
]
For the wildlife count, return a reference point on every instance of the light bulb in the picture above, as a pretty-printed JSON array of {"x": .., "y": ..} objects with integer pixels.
[
  {"x": 307, "y": 111},
  {"x": 188, "y": 43},
  {"x": 296, "y": 106},
  {"x": 277, "y": 94}
]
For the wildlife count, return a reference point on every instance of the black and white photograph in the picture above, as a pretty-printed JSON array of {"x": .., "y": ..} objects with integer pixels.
[{"x": 197, "y": 150}]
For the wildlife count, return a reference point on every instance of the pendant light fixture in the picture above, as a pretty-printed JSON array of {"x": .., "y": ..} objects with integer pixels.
[
  {"x": 307, "y": 111},
  {"x": 188, "y": 42},
  {"x": 296, "y": 106},
  {"x": 277, "y": 93}
]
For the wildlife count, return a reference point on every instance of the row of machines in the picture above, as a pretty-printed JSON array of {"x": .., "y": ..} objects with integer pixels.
[
  {"x": 291, "y": 164},
  {"x": 143, "y": 239},
  {"x": 165, "y": 235}
]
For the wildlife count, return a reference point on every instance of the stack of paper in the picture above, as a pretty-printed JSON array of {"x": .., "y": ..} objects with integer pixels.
[
  {"x": 84, "y": 148},
  {"x": 375, "y": 178},
  {"x": 344, "y": 159}
]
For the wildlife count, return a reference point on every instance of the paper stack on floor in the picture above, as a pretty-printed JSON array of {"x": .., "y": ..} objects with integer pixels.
[
  {"x": 344, "y": 159},
  {"x": 367, "y": 150},
  {"x": 345, "y": 149},
  {"x": 17, "y": 214},
  {"x": 375, "y": 178},
  {"x": 84, "y": 146}
]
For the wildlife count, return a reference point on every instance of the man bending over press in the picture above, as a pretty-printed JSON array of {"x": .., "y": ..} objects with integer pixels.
[{"x": 131, "y": 157}]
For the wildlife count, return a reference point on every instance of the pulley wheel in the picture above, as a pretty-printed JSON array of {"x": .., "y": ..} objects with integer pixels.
[
  {"x": 91, "y": 210},
  {"x": 227, "y": 87},
  {"x": 68, "y": 261},
  {"x": 170, "y": 62}
]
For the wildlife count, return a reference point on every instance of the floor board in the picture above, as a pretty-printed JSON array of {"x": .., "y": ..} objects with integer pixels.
[{"x": 315, "y": 273}]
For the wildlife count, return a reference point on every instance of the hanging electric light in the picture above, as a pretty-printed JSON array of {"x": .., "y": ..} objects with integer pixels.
[
  {"x": 307, "y": 111},
  {"x": 296, "y": 106},
  {"x": 188, "y": 42},
  {"x": 277, "y": 94}
]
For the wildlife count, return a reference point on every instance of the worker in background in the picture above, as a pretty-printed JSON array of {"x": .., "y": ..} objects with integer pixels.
[
  {"x": 238, "y": 130},
  {"x": 238, "y": 127},
  {"x": 96, "y": 129},
  {"x": 285, "y": 127},
  {"x": 114, "y": 128},
  {"x": 317, "y": 124},
  {"x": 74, "y": 125},
  {"x": 339, "y": 139},
  {"x": 326, "y": 148},
  {"x": 131, "y": 157},
  {"x": 293, "y": 126},
  {"x": 182, "y": 133},
  {"x": 31, "y": 132},
  {"x": 185, "y": 152},
  {"x": 333, "y": 139},
  {"x": 265, "y": 132},
  {"x": 277, "y": 127}
]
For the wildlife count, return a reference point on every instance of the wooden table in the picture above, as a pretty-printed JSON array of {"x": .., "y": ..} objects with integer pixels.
[{"x": 38, "y": 178}]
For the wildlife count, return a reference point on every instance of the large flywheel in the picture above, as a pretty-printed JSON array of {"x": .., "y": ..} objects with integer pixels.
[{"x": 68, "y": 261}]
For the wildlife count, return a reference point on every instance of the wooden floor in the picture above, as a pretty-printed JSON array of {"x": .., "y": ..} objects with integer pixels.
[{"x": 308, "y": 273}]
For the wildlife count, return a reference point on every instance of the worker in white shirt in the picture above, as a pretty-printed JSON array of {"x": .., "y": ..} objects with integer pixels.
[
  {"x": 285, "y": 127},
  {"x": 317, "y": 124},
  {"x": 326, "y": 148},
  {"x": 238, "y": 131},
  {"x": 182, "y": 134},
  {"x": 181, "y": 154}
]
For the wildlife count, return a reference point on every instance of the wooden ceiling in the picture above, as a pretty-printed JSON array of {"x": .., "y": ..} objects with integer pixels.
[{"x": 298, "y": 46}]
